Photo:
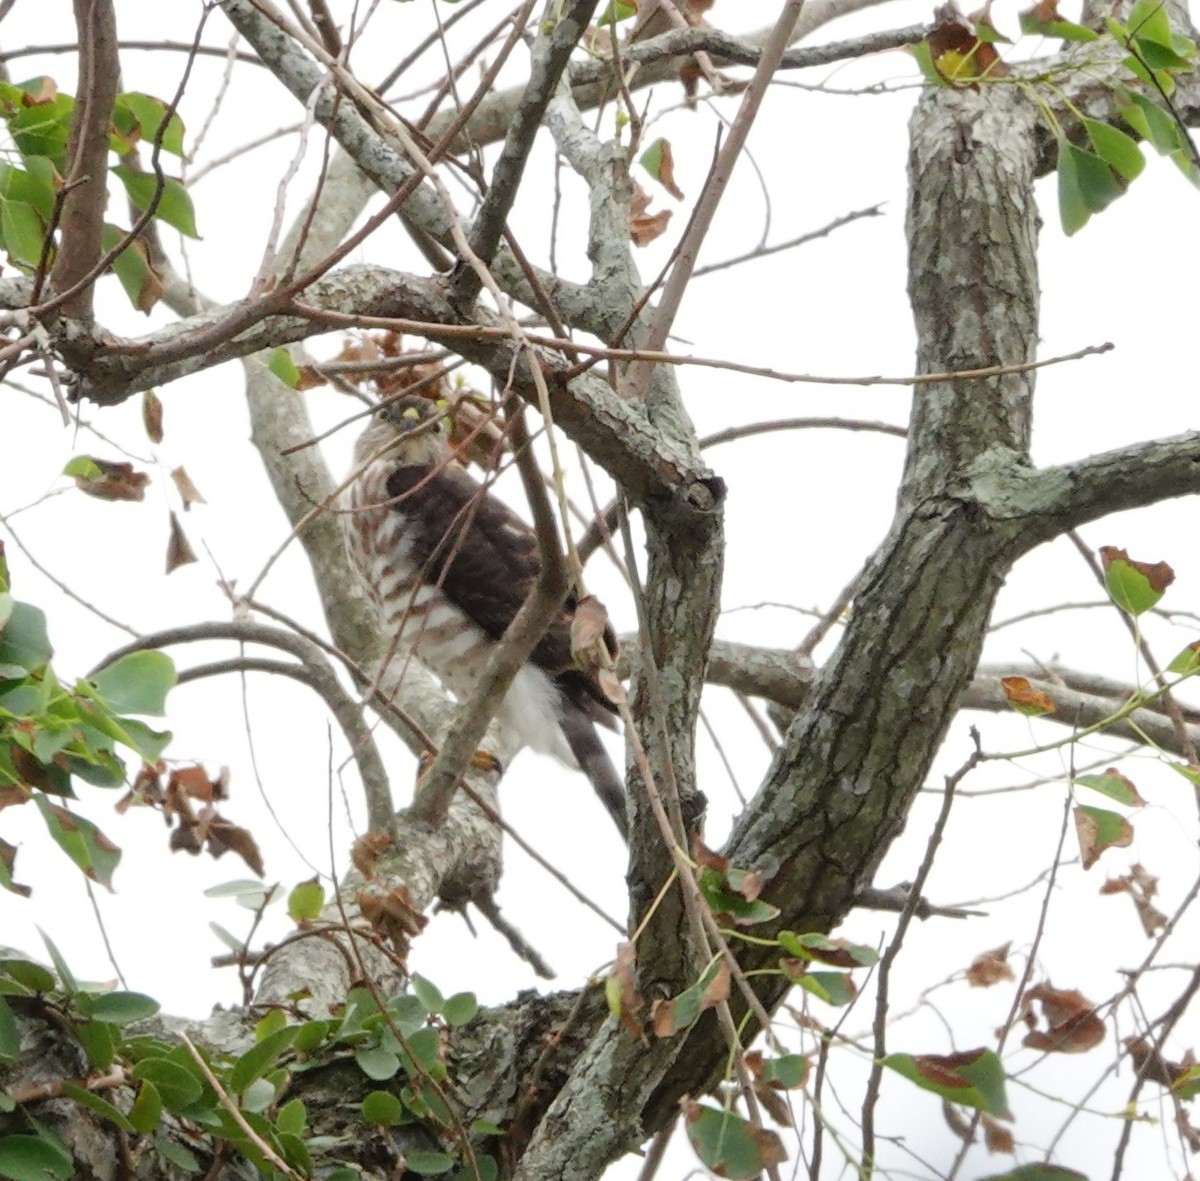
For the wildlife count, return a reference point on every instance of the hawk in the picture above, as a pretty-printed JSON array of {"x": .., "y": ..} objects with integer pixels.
[{"x": 449, "y": 565}]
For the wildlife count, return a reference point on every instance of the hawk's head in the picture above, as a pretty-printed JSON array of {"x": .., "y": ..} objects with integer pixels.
[{"x": 407, "y": 430}]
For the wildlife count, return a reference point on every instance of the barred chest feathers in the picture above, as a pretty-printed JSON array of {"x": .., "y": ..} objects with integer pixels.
[{"x": 420, "y": 619}]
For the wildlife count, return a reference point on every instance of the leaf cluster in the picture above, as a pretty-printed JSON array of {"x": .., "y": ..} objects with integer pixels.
[
  {"x": 38, "y": 119},
  {"x": 158, "y": 1087}
]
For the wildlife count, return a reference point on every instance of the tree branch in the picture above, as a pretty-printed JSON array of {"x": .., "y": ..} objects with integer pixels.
[
  {"x": 551, "y": 52},
  {"x": 85, "y": 190}
]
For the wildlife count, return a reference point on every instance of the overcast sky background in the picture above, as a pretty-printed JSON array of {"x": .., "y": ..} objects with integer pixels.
[{"x": 804, "y": 510}]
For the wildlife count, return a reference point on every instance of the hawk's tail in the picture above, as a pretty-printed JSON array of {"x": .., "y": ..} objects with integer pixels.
[{"x": 585, "y": 744}]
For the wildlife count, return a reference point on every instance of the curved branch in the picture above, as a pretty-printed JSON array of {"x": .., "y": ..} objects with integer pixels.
[
  {"x": 313, "y": 670},
  {"x": 320, "y": 679}
]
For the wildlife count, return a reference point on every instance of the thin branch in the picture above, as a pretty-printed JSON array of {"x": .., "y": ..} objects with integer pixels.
[
  {"x": 637, "y": 379},
  {"x": 320, "y": 679},
  {"x": 314, "y": 670},
  {"x": 727, "y": 50},
  {"x": 790, "y": 244},
  {"x": 883, "y": 976},
  {"x": 550, "y": 55}
]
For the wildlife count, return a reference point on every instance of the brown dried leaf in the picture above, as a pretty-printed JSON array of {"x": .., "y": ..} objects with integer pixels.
[
  {"x": 225, "y": 836},
  {"x": 589, "y": 626},
  {"x": 117, "y": 481},
  {"x": 188, "y": 492},
  {"x": 1073, "y": 1026},
  {"x": 1150, "y": 1064},
  {"x": 308, "y": 378},
  {"x": 1092, "y": 843},
  {"x": 152, "y": 416},
  {"x": 195, "y": 783},
  {"x": 8, "y": 858},
  {"x": 179, "y": 550},
  {"x": 624, "y": 972},
  {"x": 997, "y": 1137},
  {"x": 1025, "y": 698},
  {"x": 707, "y": 858},
  {"x": 367, "y": 850},
  {"x": 775, "y": 1105},
  {"x": 392, "y": 915},
  {"x": 643, "y": 230},
  {"x": 611, "y": 687},
  {"x": 1141, "y": 886},
  {"x": 990, "y": 967}
]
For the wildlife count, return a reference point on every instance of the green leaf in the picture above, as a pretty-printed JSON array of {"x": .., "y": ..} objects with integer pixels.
[
  {"x": 29, "y": 975},
  {"x": 424, "y": 1049},
  {"x": 1148, "y": 21},
  {"x": 1114, "y": 785},
  {"x": 236, "y": 945},
  {"x": 974, "y": 1078},
  {"x": 427, "y": 993},
  {"x": 81, "y": 840},
  {"x": 259, "y": 1058},
  {"x": 1151, "y": 122},
  {"x": 65, "y": 976},
  {"x": 788, "y": 1071},
  {"x": 834, "y": 988},
  {"x": 99, "y": 1041},
  {"x": 728, "y": 1145},
  {"x": 23, "y": 640},
  {"x": 132, "y": 267},
  {"x": 258, "y": 1096},
  {"x": 429, "y": 1163},
  {"x": 10, "y": 1041},
  {"x": 1187, "y": 662},
  {"x": 36, "y": 185},
  {"x": 174, "y": 204},
  {"x": 122, "y": 1008},
  {"x": 137, "y": 683},
  {"x": 176, "y": 1154},
  {"x": 1118, "y": 150},
  {"x": 1135, "y": 587},
  {"x": 1187, "y": 1085},
  {"x": 617, "y": 10},
  {"x": 147, "y": 1108},
  {"x": 460, "y": 1009},
  {"x": 1038, "y": 1172},
  {"x": 1098, "y": 830},
  {"x": 292, "y": 1117},
  {"x": 814, "y": 946},
  {"x": 383, "y": 1109},
  {"x": 44, "y": 128},
  {"x": 150, "y": 113},
  {"x": 1033, "y": 26},
  {"x": 377, "y": 1063},
  {"x": 310, "y": 1035},
  {"x": 305, "y": 901},
  {"x": 1086, "y": 185},
  {"x": 178, "y": 1088},
  {"x": 22, "y": 231},
  {"x": 282, "y": 365},
  {"x": 273, "y": 1022},
  {"x": 30, "y": 1158},
  {"x": 7, "y": 602},
  {"x": 100, "y": 1106}
]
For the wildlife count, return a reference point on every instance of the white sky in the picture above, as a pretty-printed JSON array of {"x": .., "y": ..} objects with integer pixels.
[{"x": 804, "y": 509}]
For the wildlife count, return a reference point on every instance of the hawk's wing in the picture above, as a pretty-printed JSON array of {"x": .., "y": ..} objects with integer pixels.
[{"x": 485, "y": 560}]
